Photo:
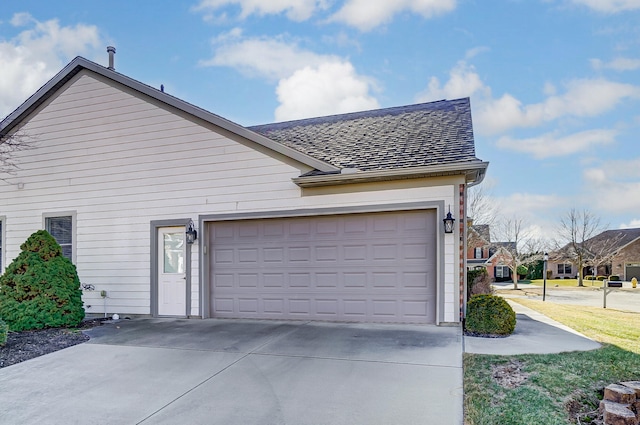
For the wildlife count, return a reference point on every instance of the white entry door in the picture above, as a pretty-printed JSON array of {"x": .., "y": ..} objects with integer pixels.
[{"x": 172, "y": 279}]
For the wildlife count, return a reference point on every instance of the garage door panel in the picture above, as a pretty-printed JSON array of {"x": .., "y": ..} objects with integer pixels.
[
  {"x": 360, "y": 267},
  {"x": 378, "y": 278},
  {"x": 377, "y": 309}
]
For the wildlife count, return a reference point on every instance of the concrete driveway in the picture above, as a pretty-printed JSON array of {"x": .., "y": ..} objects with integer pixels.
[{"x": 169, "y": 371}]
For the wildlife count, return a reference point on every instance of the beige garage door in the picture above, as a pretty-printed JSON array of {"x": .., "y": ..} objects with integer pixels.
[{"x": 377, "y": 267}]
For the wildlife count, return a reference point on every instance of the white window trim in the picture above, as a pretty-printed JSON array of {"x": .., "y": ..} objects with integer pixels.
[
  {"x": 74, "y": 228},
  {"x": 502, "y": 267}
]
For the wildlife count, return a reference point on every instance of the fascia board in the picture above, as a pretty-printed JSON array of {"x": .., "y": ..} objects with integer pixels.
[
  {"x": 473, "y": 171},
  {"x": 80, "y": 63}
]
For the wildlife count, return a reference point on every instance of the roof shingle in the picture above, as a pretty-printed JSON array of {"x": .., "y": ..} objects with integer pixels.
[{"x": 400, "y": 137}]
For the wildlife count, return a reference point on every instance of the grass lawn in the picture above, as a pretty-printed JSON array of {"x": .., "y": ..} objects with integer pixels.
[
  {"x": 567, "y": 282},
  {"x": 550, "y": 389}
]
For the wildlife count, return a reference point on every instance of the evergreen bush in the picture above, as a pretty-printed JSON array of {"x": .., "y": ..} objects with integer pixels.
[
  {"x": 522, "y": 270},
  {"x": 40, "y": 288},
  {"x": 4, "y": 329},
  {"x": 490, "y": 315}
]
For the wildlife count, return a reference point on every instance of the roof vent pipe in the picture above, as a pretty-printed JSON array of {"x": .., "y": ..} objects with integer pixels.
[{"x": 112, "y": 51}]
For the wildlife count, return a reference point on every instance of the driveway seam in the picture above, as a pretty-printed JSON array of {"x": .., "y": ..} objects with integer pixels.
[{"x": 344, "y": 359}]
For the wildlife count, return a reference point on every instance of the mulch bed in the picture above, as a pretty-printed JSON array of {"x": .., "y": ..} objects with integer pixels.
[{"x": 21, "y": 346}]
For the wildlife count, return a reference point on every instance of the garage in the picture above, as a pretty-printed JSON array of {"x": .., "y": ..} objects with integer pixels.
[
  {"x": 368, "y": 267},
  {"x": 631, "y": 270}
]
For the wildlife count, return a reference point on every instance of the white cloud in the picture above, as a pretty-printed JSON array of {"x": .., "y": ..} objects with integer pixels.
[
  {"x": 583, "y": 98},
  {"x": 266, "y": 57},
  {"x": 537, "y": 212},
  {"x": 550, "y": 145},
  {"x": 617, "y": 64},
  {"x": 633, "y": 224},
  {"x": 296, "y": 10},
  {"x": 463, "y": 81},
  {"x": 309, "y": 84},
  {"x": 612, "y": 185},
  {"x": 330, "y": 88},
  {"x": 37, "y": 53},
  {"x": 368, "y": 14},
  {"x": 609, "y": 6}
]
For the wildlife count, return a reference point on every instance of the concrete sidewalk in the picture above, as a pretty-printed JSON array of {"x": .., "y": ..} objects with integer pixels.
[{"x": 535, "y": 333}]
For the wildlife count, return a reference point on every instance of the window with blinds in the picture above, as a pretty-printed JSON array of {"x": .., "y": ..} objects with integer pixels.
[{"x": 61, "y": 228}]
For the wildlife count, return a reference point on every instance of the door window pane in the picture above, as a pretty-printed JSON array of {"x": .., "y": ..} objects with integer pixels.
[
  {"x": 173, "y": 252},
  {"x": 61, "y": 228}
]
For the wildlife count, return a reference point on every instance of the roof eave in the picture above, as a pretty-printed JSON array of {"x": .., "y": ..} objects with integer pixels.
[
  {"x": 79, "y": 63},
  {"x": 474, "y": 173}
]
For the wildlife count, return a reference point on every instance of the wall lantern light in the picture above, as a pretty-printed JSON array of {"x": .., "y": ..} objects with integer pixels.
[
  {"x": 448, "y": 222},
  {"x": 191, "y": 233}
]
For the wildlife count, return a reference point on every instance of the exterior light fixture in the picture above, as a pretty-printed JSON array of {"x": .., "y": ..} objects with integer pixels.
[
  {"x": 191, "y": 233},
  {"x": 448, "y": 222}
]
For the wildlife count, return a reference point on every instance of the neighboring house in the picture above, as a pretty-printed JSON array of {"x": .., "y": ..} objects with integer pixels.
[
  {"x": 482, "y": 253},
  {"x": 612, "y": 252},
  {"x": 332, "y": 218}
]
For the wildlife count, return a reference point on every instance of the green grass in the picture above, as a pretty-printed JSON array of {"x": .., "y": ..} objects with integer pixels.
[
  {"x": 558, "y": 385},
  {"x": 567, "y": 282}
]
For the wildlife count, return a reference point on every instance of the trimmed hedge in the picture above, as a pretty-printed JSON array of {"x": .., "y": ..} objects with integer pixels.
[
  {"x": 40, "y": 288},
  {"x": 490, "y": 315}
]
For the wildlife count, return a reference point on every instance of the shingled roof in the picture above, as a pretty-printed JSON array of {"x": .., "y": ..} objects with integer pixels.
[
  {"x": 424, "y": 140},
  {"x": 435, "y": 133},
  {"x": 613, "y": 240}
]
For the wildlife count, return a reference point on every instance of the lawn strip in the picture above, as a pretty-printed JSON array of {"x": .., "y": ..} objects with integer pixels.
[{"x": 557, "y": 386}]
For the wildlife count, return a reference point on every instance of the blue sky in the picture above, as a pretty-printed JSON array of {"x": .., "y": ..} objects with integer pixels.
[{"x": 554, "y": 84}]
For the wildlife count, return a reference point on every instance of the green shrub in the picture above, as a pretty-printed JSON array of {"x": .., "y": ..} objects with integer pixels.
[
  {"x": 3, "y": 332},
  {"x": 614, "y": 278},
  {"x": 490, "y": 315},
  {"x": 40, "y": 288},
  {"x": 522, "y": 270}
]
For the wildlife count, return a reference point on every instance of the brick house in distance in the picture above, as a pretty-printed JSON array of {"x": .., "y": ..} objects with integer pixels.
[
  {"x": 616, "y": 252},
  {"x": 482, "y": 253}
]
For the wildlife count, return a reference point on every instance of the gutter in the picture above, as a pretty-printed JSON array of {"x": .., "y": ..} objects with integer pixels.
[{"x": 474, "y": 174}]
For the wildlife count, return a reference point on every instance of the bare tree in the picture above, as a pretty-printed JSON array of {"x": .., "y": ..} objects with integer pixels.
[
  {"x": 577, "y": 230},
  {"x": 10, "y": 145},
  {"x": 480, "y": 207},
  {"x": 517, "y": 246}
]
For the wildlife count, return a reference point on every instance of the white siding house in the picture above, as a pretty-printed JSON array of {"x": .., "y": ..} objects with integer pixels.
[{"x": 121, "y": 169}]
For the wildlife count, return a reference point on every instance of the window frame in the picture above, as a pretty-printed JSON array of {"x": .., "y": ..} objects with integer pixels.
[
  {"x": 477, "y": 252},
  {"x": 564, "y": 268},
  {"x": 502, "y": 268},
  {"x": 59, "y": 214}
]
